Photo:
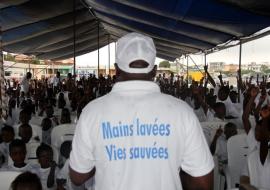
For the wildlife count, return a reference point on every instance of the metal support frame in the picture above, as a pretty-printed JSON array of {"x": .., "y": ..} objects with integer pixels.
[
  {"x": 109, "y": 55},
  {"x": 240, "y": 63},
  {"x": 98, "y": 49},
  {"x": 187, "y": 69},
  {"x": 195, "y": 63},
  {"x": 115, "y": 51},
  {"x": 205, "y": 76},
  {"x": 74, "y": 37}
]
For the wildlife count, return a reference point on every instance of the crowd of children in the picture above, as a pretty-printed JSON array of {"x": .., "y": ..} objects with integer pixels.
[{"x": 32, "y": 116}]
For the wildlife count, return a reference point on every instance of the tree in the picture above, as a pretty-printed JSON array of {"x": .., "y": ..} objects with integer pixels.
[
  {"x": 164, "y": 64},
  {"x": 264, "y": 68},
  {"x": 9, "y": 57}
]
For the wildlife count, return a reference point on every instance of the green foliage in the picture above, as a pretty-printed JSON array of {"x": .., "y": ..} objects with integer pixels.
[
  {"x": 9, "y": 57},
  {"x": 246, "y": 72},
  {"x": 164, "y": 64},
  {"x": 267, "y": 71},
  {"x": 35, "y": 61},
  {"x": 264, "y": 68}
]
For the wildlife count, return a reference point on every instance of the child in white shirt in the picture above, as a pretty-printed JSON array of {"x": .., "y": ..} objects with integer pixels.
[
  {"x": 17, "y": 152},
  {"x": 47, "y": 169},
  {"x": 7, "y": 137}
]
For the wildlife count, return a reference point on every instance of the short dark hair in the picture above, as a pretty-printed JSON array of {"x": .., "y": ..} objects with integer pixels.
[
  {"x": 8, "y": 128},
  {"x": 46, "y": 124},
  {"x": 28, "y": 180},
  {"x": 17, "y": 143},
  {"x": 65, "y": 148},
  {"x": 43, "y": 148},
  {"x": 218, "y": 105},
  {"x": 65, "y": 116},
  {"x": 230, "y": 125}
]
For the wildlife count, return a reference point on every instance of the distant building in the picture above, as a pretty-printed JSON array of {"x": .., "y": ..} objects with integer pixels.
[
  {"x": 215, "y": 66},
  {"x": 253, "y": 66},
  {"x": 230, "y": 68}
]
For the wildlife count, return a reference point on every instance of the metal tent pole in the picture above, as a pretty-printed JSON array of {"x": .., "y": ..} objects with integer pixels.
[
  {"x": 109, "y": 54},
  {"x": 115, "y": 52},
  {"x": 195, "y": 63},
  {"x": 240, "y": 62},
  {"x": 98, "y": 49},
  {"x": 74, "y": 37},
  {"x": 187, "y": 69},
  {"x": 205, "y": 75}
]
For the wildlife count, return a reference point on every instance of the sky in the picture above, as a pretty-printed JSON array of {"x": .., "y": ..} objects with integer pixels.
[{"x": 254, "y": 51}]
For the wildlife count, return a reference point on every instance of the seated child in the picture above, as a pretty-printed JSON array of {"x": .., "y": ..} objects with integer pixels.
[
  {"x": 47, "y": 169},
  {"x": 220, "y": 112},
  {"x": 26, "y": 181},
  {"x": 25, "y": 133},
  {"x": 7, "y": 137},
  {"x": 46, "y": 130},
  {"x": 17, "y": 152},
  {"x": 63, "y": 180},
  {"x": 219, "y": 143},
  {"x": 49, "y": 113}
]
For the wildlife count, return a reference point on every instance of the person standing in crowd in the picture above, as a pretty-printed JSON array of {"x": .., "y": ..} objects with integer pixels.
[
  {"x": 25, "y": 82},
  {"x": 56, "y": 83},
  {"x": 135, "y": 137}
]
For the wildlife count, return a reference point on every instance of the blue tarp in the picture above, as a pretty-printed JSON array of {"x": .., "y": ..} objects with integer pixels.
[{"x": 45, "y": 28}]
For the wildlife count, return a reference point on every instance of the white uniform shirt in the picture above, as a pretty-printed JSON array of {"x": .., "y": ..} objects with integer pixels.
[
  {"x": 24, "y": 85},
  {"x": 64, "y": 174},
  {"x": 258, "y": 173},
  {"x": 200, "y": 114},
  {"x": 55, "y": 81},
  {"x": 43, "y": 174},
  {"x": 221, "y": 148},
  {"x": 28, "y": 167},
  {"x": 4, "y": 151},
  {"x": 139, "y": 138}
]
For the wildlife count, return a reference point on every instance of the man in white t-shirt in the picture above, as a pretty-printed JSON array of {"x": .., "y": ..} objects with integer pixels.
[
  {"x": 25, "y": 82},
  {"x": 135, "y": 137},
  {"x": 56, "y": 82}
]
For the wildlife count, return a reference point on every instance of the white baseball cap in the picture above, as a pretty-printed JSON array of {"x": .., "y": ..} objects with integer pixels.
[{"x": 132, "y": 47}]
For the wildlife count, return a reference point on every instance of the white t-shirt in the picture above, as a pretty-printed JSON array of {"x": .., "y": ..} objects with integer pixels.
[
  {"x": 139, "y": 138},
  {"x": 258, "y": 173},
  {"x": 24, "y": 85},
  {"x": 221, "y": 148},
  {"x": 231, "y": 109},
  {"x": 64, "y": 174},
  {"x": 55, "y": 81},
  {"x": 43, "y": 174},
  {"x": 28, "y": 167},
  {"x": 4, "y": 151},
  {"x": 200, "y": 114}
]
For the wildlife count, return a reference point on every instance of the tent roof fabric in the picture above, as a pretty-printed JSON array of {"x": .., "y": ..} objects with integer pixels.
[{"x": 45, "y": 28}]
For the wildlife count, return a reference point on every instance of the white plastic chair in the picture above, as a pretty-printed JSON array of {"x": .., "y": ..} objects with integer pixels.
[
  {"x": 62, "y": 133},
  {"x": 6, "y": 178},
  {"x": 209, "y": 129},
  {"x": 31, "y": 156},
  {"x": 213, "y": 124},
  {"x": 37, "y": 131},
  {"x": 237, "y": 154}
]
